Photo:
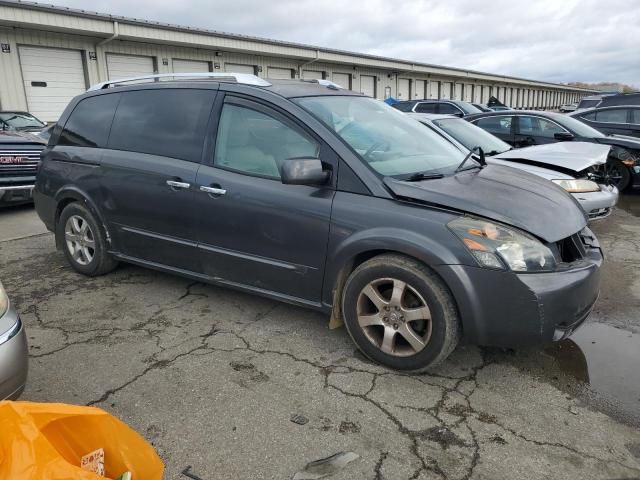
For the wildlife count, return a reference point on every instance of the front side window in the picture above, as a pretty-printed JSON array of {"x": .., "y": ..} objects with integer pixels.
[
  {"x": 253, "y": 142},
  {"x": 472, "y": 136},
  {"x": 498, "y": 124},
  {"x": 390, "y": 142},
  {"x": 167, "y": 122},
  {"x": 89, "y": 123},
  {"x": 448, "y": 109},
  {"x": 616, "y": 115},
  {"x": 539, "y": 127}
]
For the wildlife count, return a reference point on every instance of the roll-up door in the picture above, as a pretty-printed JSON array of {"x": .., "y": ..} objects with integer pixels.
[
  {"x": 279, "y": 73},
  {"x": 419, "y": 92},
  {"x": 434, "y": 89},
  {"x": 239, "y": 68},
  {"x": 404, "y": 89},
  {"x": 342, "y": 79},
  {"x": 368, "y": 85},
  {"x": 458, "y": 91},
  {"x": 125, "y": 66},
  {"x": 446, "y": 90},
  {"x": 52, "y": 77},
  {"x": 477, "y": 93},
  {"x": 190, "y": 66},
  {"x": 312, "y": 75}
]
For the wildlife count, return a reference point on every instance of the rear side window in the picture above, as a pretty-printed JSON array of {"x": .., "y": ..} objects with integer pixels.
[
  {"x": 426, "y": 108},
  {"x": 635, "y": 116},
  {"x": 89, "y": 123},
  {"x": 612, "y": 116},
  {"x": 501, "y": 125},
  {"x": 167, "y": 122}
]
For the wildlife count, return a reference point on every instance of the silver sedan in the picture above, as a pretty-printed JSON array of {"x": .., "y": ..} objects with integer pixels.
[{"x": 14, "y": 352}]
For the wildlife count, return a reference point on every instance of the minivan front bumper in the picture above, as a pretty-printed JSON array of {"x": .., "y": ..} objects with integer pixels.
[{"x": 507, "y": 309}]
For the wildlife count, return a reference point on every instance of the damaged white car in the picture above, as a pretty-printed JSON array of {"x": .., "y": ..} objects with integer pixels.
[{"x": 574, "y": 166}]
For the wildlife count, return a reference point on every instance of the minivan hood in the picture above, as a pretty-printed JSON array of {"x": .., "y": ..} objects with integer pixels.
[
  {"x": 575, "y": 156},
  {"x": 503, "y": 194}
]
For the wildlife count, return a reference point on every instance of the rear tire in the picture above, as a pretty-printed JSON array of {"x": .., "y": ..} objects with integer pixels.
[
  {"x": 400, "y": 314},
  {"x": 619, "y": 171},
  {"x": 84, "y": 241}
]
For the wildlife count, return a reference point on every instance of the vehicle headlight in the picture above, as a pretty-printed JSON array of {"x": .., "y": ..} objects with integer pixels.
[
  {"x": 578, "y": 186},
  {"x": 4, "y": 301},
  {"x": 497, "y": 246}
]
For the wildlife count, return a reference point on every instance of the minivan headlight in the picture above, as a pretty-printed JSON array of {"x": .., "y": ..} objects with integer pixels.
[
  {"x": 4, "y": 301},
  {"x": 578, "y": 186},
  {"x": 497, "y": 246}
]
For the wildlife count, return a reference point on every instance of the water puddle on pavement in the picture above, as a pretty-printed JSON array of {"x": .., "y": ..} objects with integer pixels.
[
  {"x": 605, "y": 363},
  {"x": 630, "y": 203}
]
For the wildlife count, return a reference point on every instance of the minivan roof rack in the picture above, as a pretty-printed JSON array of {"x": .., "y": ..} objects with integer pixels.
[{"x": 244, "y": 78}]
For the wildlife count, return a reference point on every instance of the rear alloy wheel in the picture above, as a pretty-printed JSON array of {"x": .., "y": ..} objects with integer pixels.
[
  {"x": 83, "y": 241},
  {"x": 80, "y": 240},
  {"x": 399, "y": 313},
  {"x": 618, "y": 174}
]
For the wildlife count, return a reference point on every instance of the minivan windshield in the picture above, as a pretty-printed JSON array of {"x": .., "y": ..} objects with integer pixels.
[
  {"x": 471, "y": 136},
  {"x": 389, "y": 141}
]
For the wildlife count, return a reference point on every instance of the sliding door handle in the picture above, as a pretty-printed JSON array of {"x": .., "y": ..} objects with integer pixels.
[
  {"x": 213, "y": 190},
  {"x": 176, "y": 184}
]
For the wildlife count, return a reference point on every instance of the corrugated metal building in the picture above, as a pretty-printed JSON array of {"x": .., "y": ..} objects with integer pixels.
[{"x": 50, "y": 54}]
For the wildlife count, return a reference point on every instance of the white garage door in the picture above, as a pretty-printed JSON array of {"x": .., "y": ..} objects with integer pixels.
[
  {"x": 403, "y": 89},
  {"x": 458, "y": 91},
  {"x": 445, "y": 91},
  {"x": 477, "y": 93},
  {"x": 419, "y": 90},
  {"x": 342, "y": 79},
  {"x": 312, "y": 75},
  {"x": 239, "y": 68},
  {"x": 433, "y": 88},
  {"x": 279, "y": 73},
  {"x": 190, "y": 66},
  {"x": 125, "y": 66},
  {"x": 368, "y": 85},
  {"x": 52, "y": 77}
]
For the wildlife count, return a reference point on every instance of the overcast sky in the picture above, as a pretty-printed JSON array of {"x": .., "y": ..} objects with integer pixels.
[{"x": 553, "y": 40}]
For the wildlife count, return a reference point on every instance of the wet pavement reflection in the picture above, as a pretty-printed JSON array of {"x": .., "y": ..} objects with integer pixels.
[
  {"x": 630, "y": 202},
  {"x": 605, "y": 362}
]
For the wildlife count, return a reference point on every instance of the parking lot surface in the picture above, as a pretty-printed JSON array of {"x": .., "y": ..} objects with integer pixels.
[{"x": 212, "y": 377}]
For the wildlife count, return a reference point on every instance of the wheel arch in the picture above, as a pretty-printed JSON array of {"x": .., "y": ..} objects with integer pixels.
[{"x": 71, "y": 194}]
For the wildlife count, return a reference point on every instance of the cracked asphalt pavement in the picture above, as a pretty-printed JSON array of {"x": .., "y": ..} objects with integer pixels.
[{"x": 212, "y": 377}]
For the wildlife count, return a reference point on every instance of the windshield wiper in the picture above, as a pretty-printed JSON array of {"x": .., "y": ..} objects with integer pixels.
[
  {"x": 482, "y": 161},
  {"x": 416, "y": 177}
]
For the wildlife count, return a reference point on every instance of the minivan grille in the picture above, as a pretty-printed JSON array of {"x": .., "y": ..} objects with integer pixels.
[{"x": 19, "y": 162}]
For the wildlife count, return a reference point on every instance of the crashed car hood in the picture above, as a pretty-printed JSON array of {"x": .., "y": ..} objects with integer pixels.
[
  {"x": 575, "y": 156},
  {"x": 620, "y": 141},
  {"x": 503, "y": 194}
]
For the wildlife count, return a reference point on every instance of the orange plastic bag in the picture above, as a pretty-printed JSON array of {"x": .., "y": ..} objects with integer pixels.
[{"x": 45, "y": 441}]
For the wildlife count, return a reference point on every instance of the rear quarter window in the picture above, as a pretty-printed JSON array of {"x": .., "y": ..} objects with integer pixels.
[
  {"x": 167, "y": 122},
  {"x": 90, "y": 122}
]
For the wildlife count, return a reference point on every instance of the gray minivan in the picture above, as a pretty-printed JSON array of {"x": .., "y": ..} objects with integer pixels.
[{"x": 322, "y": 197}]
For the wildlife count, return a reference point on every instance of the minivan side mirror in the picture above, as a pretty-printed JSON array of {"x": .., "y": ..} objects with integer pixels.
[
  {"x": 303, "y": 171},
  {"x": 563, "y": 136}
]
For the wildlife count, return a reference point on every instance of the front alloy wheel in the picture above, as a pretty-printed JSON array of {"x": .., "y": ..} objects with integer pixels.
[{"x": 394, "y": 317}]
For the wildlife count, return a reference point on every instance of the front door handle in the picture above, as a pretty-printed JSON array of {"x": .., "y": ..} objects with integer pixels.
[
  {"x": 213, "y": 190},
  {"x": 176, "y": 184}
]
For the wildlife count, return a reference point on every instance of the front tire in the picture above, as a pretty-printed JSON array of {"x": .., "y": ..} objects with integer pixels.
[
  {"x": 619, "y": 174},
  {"x": 84, "y": 241},
  {"x": 399, "y": 313}
]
